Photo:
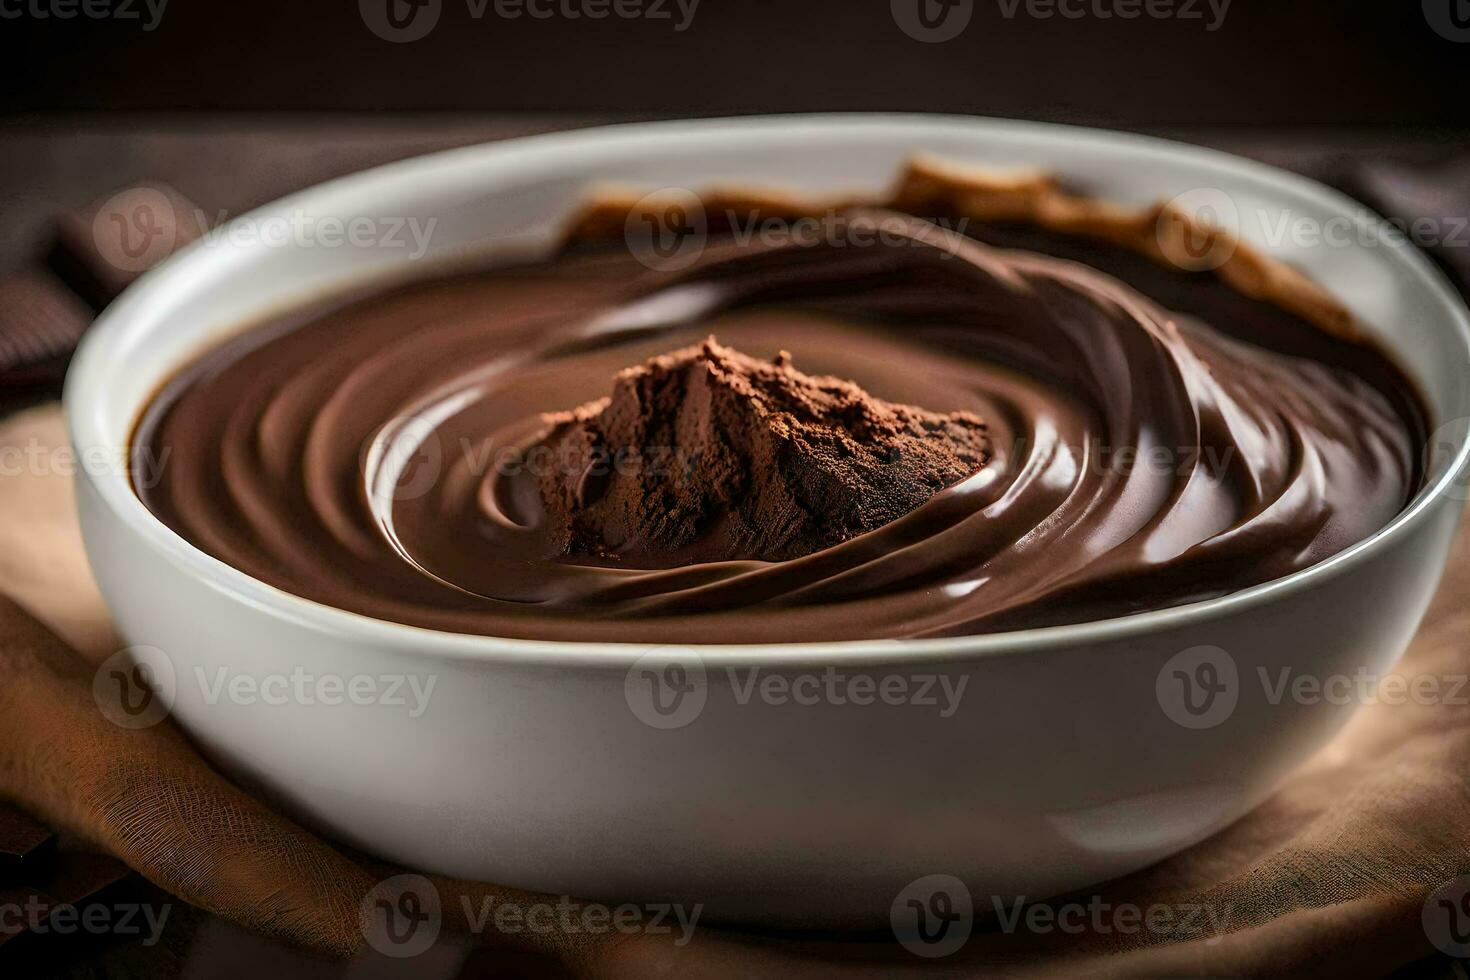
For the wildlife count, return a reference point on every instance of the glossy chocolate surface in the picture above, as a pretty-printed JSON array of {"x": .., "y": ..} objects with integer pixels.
[{"x": 1154, "y": 438}]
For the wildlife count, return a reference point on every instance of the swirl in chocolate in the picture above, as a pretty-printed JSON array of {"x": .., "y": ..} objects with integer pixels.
[{"x": 390, "y": 455}]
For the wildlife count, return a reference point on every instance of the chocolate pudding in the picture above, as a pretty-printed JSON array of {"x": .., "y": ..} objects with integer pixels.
[{"x": 889, "y": 430}]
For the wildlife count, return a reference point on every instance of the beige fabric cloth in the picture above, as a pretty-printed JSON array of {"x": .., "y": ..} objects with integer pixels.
[
  {"x": 1330, "y": 876},
  {"x": 42, "y": 565}
]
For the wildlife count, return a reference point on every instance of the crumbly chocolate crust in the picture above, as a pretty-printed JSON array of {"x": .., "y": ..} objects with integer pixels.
[{"x": 931, "y": 187}]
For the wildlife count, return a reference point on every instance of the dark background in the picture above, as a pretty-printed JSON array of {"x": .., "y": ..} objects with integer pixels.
[{"x": 1271, "y": 62}]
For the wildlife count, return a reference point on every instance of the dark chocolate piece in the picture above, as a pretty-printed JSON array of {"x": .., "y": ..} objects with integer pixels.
[
  {"x": 22, "y": 840},
  {"x": 40, "y": 324},
  {"x": 63, "y": 879},
  {"x": 101, "y": 249}
]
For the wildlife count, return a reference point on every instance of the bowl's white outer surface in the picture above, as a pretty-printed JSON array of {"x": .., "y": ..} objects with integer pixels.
[{"x": 529, "y": 767}]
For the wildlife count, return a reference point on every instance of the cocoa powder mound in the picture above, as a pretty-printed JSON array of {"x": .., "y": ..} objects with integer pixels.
[{"x": 706, "y": 454}]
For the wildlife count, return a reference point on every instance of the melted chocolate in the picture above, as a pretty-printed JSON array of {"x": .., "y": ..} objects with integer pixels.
[{"x": 374, "y": 456}]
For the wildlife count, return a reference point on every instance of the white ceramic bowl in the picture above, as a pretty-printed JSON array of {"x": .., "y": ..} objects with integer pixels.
[{"x": 533, "y": 766}]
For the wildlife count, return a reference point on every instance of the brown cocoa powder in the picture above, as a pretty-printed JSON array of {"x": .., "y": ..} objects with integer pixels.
[{"x": 707, "y": 454}]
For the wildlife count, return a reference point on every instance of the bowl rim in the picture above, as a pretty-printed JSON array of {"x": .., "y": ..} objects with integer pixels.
[{"x": 89, "y": 368}]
